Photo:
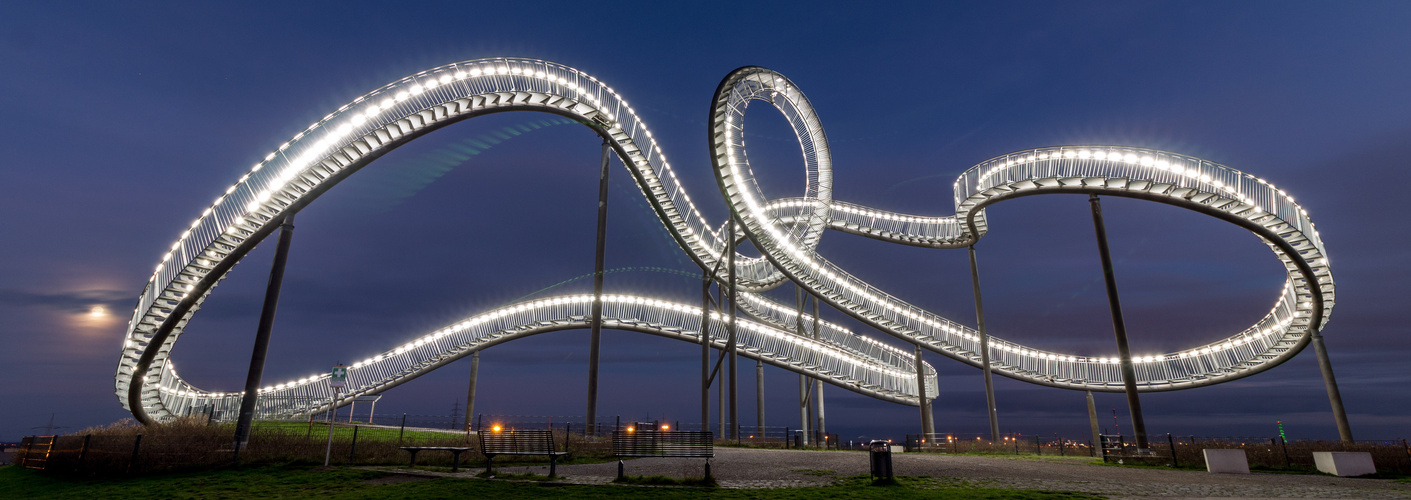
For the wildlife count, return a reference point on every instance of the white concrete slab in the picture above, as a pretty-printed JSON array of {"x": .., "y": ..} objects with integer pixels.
[
  {"x": 1226, "y": 461},
  {"x": 1344, "y": 463},
  {"x": 898, "y": 448}
]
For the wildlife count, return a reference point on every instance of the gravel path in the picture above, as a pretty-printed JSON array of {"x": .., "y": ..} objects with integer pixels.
[{"x": 754, "y": 468}]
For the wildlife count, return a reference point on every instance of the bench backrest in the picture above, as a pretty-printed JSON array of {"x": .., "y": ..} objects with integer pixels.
[
  {"x": 523, "y": 442},
  {"x": 663, "y": 444}
]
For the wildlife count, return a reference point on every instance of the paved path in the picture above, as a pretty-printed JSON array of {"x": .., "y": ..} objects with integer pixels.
[{"x": 753, "y": 468}]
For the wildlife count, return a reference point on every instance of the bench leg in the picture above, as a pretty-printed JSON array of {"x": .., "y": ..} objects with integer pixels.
[
  {"x": 489, "y": 459},
  {"x": 456, "y": 461},
  {"x": 620, "y": 476},
  {"x": 413, "y": 464},
  {"x": 707, "y": 472},
  {"x": 553, "y": 466}
]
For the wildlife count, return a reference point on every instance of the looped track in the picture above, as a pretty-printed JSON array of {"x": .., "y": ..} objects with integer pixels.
[{"x": 786, "y": 232}]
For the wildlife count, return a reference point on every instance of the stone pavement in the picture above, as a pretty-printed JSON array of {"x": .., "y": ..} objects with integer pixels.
[{"x": 757, "y": 468}]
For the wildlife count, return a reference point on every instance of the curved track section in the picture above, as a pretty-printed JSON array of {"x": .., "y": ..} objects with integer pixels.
[
  {"x": 786, "y": 231},
  {"x": 891, "y": 380},
  {"x": 1305, "y": 302}
]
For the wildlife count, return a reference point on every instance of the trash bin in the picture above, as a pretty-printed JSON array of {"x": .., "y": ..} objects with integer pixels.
[{"x": 880, "y": 454}]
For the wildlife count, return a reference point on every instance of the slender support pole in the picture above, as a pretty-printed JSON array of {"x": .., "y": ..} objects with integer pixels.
[
  {"x": 332, "y": 412},
  {"x": 734, "y": 345},
  {"x": 257, "y": 358},
  {"x": 759, "y": 397},
  {"x": 928, "y": 425},
  {"x": 803, "y": 381},
  {"x": 1119, "y": 326},
  {"x": 470, "y": 392},
  {"x": 984, "y": 348},
  {"x": 818, "y": 392},
  {"x": 1092, "y": 419},
  {"x": 1326, "y": 366},
  {"x": 596, "y": 335},
  {"x": 720, "y": 409},
  {"x": 803, "y": 408},
  {"x": 705, "y": 354}
]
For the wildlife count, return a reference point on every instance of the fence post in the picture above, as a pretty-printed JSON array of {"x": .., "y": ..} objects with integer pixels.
[
  {"x": 84, "y": 451},
  {"x": 136, "y": 445},
  {"x": 1037, "y": 449},
  {"x": 354, "y": 447},
  {"x": 567, "y": 431},
  {"x": 1172, "y": 441},
  {"x": 1060, "y": 447},
  {"x": 404, "y": 428},
  {"x": 1285, "y": 443}
]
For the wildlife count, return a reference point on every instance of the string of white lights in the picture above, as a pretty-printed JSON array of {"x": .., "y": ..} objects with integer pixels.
[{"x": 786, "y": 231}]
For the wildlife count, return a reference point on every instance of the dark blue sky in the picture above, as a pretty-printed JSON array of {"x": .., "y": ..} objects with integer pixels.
[{"x": 122, "y": 121}]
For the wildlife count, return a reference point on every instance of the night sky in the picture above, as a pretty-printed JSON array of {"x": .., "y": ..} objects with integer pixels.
[{"x": 123, "y": 120}]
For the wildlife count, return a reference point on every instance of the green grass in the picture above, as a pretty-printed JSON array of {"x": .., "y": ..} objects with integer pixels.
[
  {"x": 344, "y": 430},
  {"x": 699, "y": 482},
  {"x": 295, "y": 481}
]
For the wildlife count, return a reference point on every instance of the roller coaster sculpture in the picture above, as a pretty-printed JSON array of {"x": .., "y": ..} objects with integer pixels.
[{"x": 786, "y": 232}]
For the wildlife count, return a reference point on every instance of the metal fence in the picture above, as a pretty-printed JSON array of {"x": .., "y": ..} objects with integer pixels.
[
  {"x": 1267, "y": 453},
  {"x": 95, "y": 454},
  {"x": 1264, "y": 453},
  {"x": 1013, "y": 444}
]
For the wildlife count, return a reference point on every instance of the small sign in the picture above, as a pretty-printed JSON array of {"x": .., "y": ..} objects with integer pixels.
[{"x": 339, "y": 378}]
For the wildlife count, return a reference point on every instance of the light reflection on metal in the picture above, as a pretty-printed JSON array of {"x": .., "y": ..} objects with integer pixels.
[{"x": 785, "y": 230}]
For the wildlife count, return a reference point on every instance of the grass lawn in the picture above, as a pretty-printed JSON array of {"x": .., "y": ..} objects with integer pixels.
[
  {"x": 299, "y": 481},
  {"x": 344, "y": 430}
]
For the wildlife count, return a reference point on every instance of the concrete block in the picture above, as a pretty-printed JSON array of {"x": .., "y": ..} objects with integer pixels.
[
  {"x": 1226, "y": 461},
  {"x": 898, "y": 448},
  {"x": 1344, "y": 463}
]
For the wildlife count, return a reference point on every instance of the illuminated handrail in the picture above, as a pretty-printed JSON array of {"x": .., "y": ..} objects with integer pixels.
[{"x": 786, "y": 231}]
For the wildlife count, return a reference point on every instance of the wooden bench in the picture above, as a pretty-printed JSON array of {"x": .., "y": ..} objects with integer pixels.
[
  {"x": 457, "y": 451},
  {"x": 653, "y": 443},
  {"x": 520, "y": 442}
]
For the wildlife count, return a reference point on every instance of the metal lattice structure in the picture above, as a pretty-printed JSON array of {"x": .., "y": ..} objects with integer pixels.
[{"x": 786, "y": 231}]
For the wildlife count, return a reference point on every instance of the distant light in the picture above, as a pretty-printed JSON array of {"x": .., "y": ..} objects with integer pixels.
[
  {"x": 665, "y": 427},
  {"x": 631, "y": 429},
  {"x": 495, "y": 428},
  {"x": 98, "y": 312}
]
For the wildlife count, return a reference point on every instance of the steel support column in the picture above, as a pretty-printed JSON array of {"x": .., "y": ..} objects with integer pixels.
[
  {"x": 984, "y": 348},
  {"x": 1334, "y": 397},
  {"x": 705, "y": 354},
  {"x": 759, "y": 397},
  {"x": 803, "y": 381},
  {"x": 734, "y": 348},
  {"x": 1092, "y": 419},
  {"x": 1119, "y": 327},
  {"x": 250, "y": 399},
  {"x": 595, "y": 337},
  {"x": 928, "y": 425},
  {"x": 818, "y": 391},
  {"x": 470, "y": 391},
  {"x": 803, "y": 408}
]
